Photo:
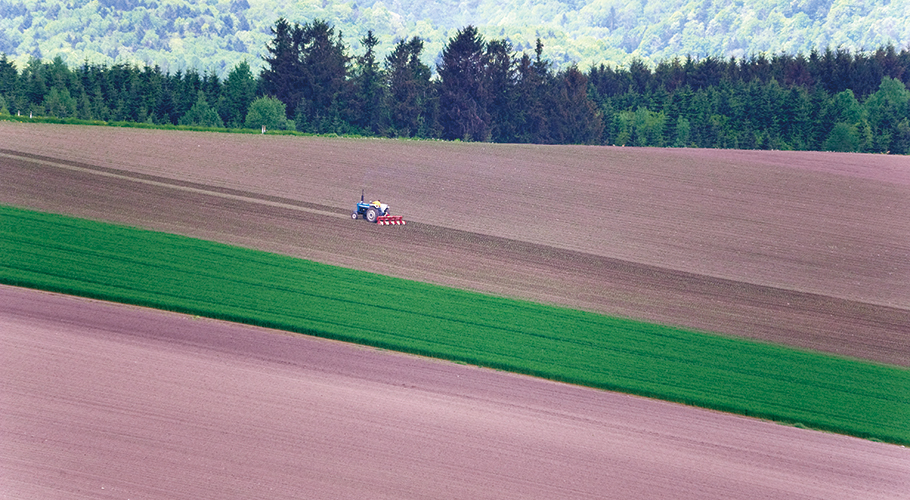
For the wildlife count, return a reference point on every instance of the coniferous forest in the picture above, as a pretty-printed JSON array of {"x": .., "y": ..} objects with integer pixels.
[{"x": 485, "y": 90}]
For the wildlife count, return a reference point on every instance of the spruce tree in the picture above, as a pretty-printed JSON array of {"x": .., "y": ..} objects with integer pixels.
[
  {"x": 283, "y": 75},
  {"x": 239, "y": 90},
  {"x": 367, "y": 106},
  {"x": 409, "y": 89},
  {"x": 464, "y": 95}
]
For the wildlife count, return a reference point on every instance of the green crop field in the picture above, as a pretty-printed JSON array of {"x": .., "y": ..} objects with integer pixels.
[{"x": 116, "y": 263}]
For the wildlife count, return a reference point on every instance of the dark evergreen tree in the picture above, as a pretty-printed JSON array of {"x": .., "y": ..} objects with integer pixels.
[
  {"x": 92, "y": 78},
  {"x": 573, "y": 116},
  {"x": 34, "y": 86},
  {"x": 239, "y": 90},
  {"x": 501, "y": 82},
  {"x": 640, "y": 78},
  {"x": 187, "y": 91},
  {"x": 794, "y": 118},
  {"x": 201, "y": 114},
  {"x": 283, "y": 77},
  {"x": 669, "y": 75},
  {"x": 212, "y": 87},
  {"x": 58, "y": 75},
  {"x": 151, "y": 84},
  {"x": 9, "y": 84},
  {"x": 464, "y": 94},
  {"x": 367, "y": 106},
  {"x": 166, "y": 108},
  {"x": 532, "y": 93},
  {"x": 325, "y": 87},
  {"x": 409, "y": 90},
  {"x": 607, "y": 82},
  {"x": 708, "y": 73}
]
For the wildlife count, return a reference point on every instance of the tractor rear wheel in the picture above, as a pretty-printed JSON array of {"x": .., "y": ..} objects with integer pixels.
[{"x": 371, "y": 215}]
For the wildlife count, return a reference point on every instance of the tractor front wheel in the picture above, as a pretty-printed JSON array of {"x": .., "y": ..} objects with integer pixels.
[
  {"x": 354, "y": 215},
  {"x": 371, "y": 215}
]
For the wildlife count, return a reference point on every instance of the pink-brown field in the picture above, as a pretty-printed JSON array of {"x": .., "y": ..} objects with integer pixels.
[
  {"x": 108, "y": 401},
  {"x": 807, "y": 249}
]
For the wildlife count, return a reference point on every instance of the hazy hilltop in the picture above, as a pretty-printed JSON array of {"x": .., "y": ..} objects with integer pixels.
[{"x": 217, "y": 34}]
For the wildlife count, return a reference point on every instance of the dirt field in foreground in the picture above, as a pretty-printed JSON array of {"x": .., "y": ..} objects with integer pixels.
[
  {"x": 101, "y": 400},
  {"x": 806, "y": 249},
  {"x": 106, "y": 401}
]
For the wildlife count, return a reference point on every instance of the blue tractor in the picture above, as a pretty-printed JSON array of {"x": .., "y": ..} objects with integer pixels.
[{"x": 375, "y": 211}]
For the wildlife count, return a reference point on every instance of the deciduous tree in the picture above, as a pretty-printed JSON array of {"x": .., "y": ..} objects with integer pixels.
[{"x": 268, "y": 112}]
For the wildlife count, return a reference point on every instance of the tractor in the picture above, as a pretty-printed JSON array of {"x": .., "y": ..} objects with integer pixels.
[{"x": 376, "y": 211}]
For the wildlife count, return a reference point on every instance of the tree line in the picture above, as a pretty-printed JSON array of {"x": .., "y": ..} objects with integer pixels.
[{"x": 483, "y": 90}]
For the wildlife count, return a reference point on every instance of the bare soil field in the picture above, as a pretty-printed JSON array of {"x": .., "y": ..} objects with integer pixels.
[
  {"x": 108, "y": 401},
  {"x": 102, "y": 400},
  {"x": 806, "y": 249}
]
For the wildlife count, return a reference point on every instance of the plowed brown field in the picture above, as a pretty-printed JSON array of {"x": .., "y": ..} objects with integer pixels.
[
  {"x": 108, "y": 401},
  {"x": 807, "y": 249}
]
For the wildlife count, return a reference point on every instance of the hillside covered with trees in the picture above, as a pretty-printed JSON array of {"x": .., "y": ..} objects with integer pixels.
[
  {"x": 215, "y": 35},
  {"x": 485, "y": 90}
]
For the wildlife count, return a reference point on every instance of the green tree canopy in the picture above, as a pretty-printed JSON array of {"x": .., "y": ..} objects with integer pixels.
[{"x": 268, "y": 112}]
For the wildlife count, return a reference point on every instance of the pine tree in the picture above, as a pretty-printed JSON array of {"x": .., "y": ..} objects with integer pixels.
[
  {"x": 324, "y": 84},
  {"x": 573, "y": 117},
  {"x": 34, "y": 85},
  {"x": 10, "y": 85},
  {"x": 464, "y": 95},
  {"x": 409, "y": 89},
  {"x": 533, "y": 91},
  {"x": 501, "y": 82},
  {"x": 201, "y": 114},
  {"x": 283, "y": 77},
  {"x": 367, "y": 108},
  {"x": 59, "y": 103},
  {"x": 239, "y": 90}
]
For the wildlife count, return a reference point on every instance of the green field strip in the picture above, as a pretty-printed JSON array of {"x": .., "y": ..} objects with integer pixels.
[{"x": 176, "y": 273}]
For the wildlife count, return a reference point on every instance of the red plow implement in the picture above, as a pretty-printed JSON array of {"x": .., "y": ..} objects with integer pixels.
[{"x": 390, "y": 220}]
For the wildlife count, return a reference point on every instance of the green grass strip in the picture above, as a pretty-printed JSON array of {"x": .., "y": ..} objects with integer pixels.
[{"x": 176, "y": 273}]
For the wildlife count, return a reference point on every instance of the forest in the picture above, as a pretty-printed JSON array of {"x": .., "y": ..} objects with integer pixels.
[
  {"x": 215, "y": 35},
  {"x": 484, "y": 89}
]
